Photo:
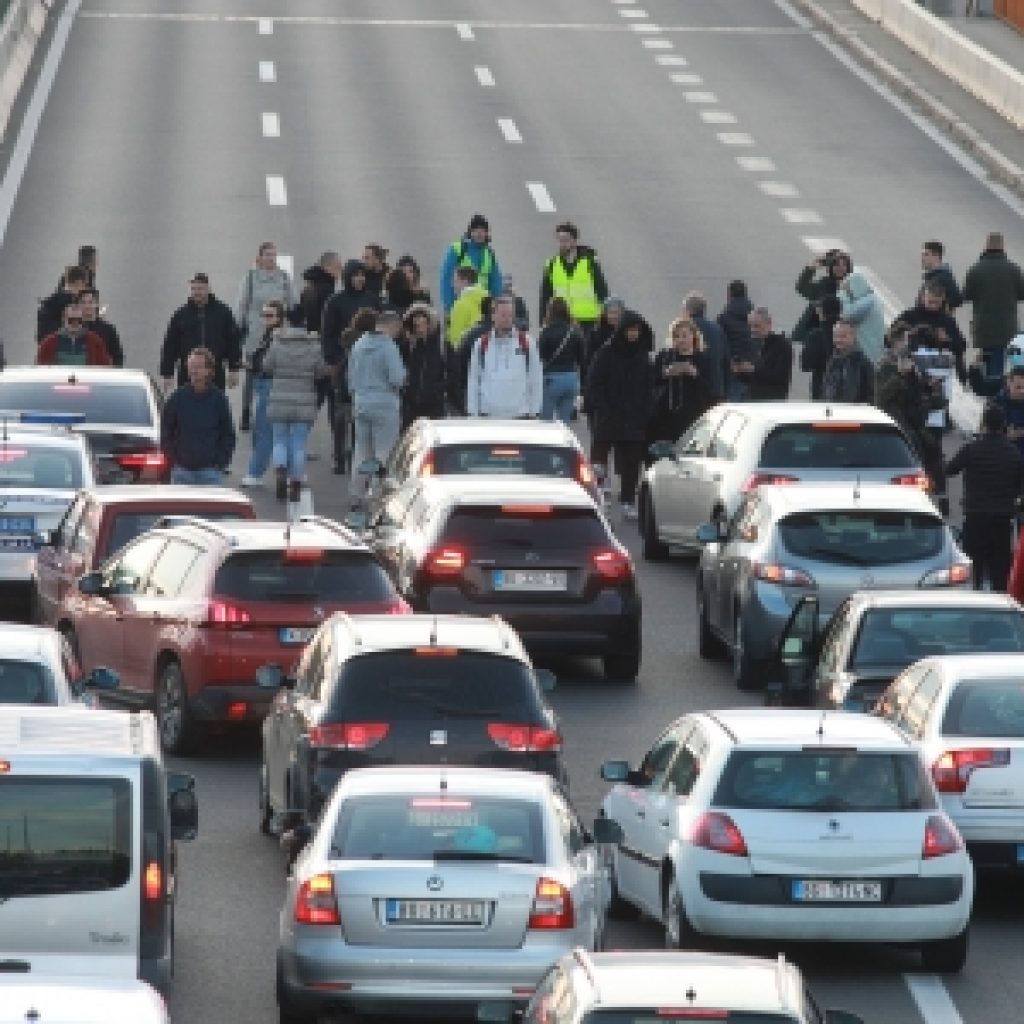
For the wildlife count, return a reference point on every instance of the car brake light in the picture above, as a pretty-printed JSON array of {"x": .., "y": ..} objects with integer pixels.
[
  {"x": 584, "y": 474},
  {"x": 833, "y": 425},
  {"x": 552, "y": 905},
  {"x": 433, "y": 803},
  {"x": 783, "y": 575},
  {"x": 921, "y": 480},
  {"x": 445, "y": 561},
  {"x": 435, "y": 652},
  {"x": 954, "y": 768},
  {"x": 224, "y": 613},
  {"x": 756, "y": 480},
  {"x": 940, "y": 838},
  {"x": 524, "y": 739},
  {"x": 12, "y": 454},
  {"x": 237, "y": 710},
  {"x": 429, "y": 465},
  {"x": 315, "y": 902},
  {"x": 956, "y": 574},
  {"x": 153, "y": 881},
  {"x": 80, "y": 389},
  {"x": 348, "y": 735},
  {"x": 526, "y": 510},
  {"x": 613, "y": 564},
  {"x": 398, "y": 607},
  {"x": 506, "y": 453},
  {"x": 718, "y": 832},
  {"x": 302, "y": 556},
  {"x": 141, "y": 460}
]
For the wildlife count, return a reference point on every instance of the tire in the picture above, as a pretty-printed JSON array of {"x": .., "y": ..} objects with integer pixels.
[
  {"x": 679, "y": 933},
  {"x": 708, "y": 645},
  {"x": 622, "y": 668},
  {"x": 179, "y": 731},
  {"x": 945, "y": 956},
  {"x": 266, "y": 812},
  {"x": 652, "y": 549},
  {"x": 619, "y": 909},
  {"x": 743, "y": 670}
]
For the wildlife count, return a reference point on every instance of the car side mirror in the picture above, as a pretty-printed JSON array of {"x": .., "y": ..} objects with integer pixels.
[
  {"x": 708, "y": 533},
  {"x": 615, "y": 771},
  {"x": 92, "y": 584},
  {"x": 546, "y": 679},
  {"x": 662, "y": 450},
  {"x": 842, "y": 1017},
  {"x": 182, "y": 805},
  {"x": 606, "y": 831},
  {"x": 102, "y": 678}
]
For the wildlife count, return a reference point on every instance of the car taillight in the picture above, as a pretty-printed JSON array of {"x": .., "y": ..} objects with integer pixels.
[
  {"x": 446, "y": 561},
  {"x": 524, "y": 739},
  {"x": 398, "y": 607},
  {"x": 552, "y": 905},
  {"x": 429, "y": 464},
  {"x": 951, "y": 577},
  {"x": 953, "y": 769},
  {"x": 141, "y": 460},
  {"x": 612, "y": 564},
  {"x": 584, "y": 474},
  {"x": 153, "y": 881},
  {"x": 718, "y": 832},
  {"x": 921, "y": 480},
  {"x": 224, "y": 613},
  {"x": 315, "y": 902},
  {"x": 783, "y": 575},
  {"x": 348, "y": 735},
  {"x": 756, "y": 480},
  {"x": 940, "y": 838}
]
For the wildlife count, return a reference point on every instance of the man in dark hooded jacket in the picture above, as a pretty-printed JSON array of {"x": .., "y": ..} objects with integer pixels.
[
  {"x": 342, "y": 306},
  {"x": 202, "y": 322},
  {"x": 849, "y": 376},
  {"x": 321, "y": 280},
  {"x": 768, "y": 371},
  {"x": 932, "y": 326}
]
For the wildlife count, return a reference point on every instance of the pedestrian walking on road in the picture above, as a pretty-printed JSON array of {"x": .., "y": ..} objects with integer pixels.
[
  {"x": 459, "y": 358},
  {"x": 734, "y": 323},
  {"x": 465, "y": 310},
  {"x": 816, "y": 350},
  {"x": 935, "y": 271},
  {"x": 92, "y": 318},
  {"x": 573, "y": 274},
  {"x": 375, "y": 261},
  {"x": 423, "y": 352},
  {"x": 86, "y": 262},
  {"x": 262, "y": 432},
  {"x": 505, "y": 373},
  {"x": 850, "y": 375},
  {"x": 73, "y": 344},
  {"x": 342, "y": 306},
  {"x": 994, "y": 286},
  {"x": 321, "y": 280},
  {"x": 474, "y": 250},
  {"x": 50, "y": 315},
  {"x": 993, "y": 479},
  {"x": 713, "y": 345},
  {"x": 202, "y": 322},
  {"x": 408, "y": 265},
  {"x": 197, "y": 434},
  {"x": 765, "y": 374},
  {"x": 560, "y": 344},
  {"x": 683, "y": 391}
]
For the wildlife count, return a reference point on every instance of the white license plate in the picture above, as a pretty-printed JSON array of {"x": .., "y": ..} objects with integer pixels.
[
  {"x": 434, "y": 911},
  {"x": 530, "y": 579},
  {"x": 296, "y": 634},
  {"x": 817, "y": 890}
]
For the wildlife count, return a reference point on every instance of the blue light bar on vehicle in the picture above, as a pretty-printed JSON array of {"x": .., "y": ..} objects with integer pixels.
[{"x": 56, "y": 419}]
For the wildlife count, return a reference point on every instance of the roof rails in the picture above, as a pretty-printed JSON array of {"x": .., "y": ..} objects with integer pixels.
[{"x": 331, "y": 525}]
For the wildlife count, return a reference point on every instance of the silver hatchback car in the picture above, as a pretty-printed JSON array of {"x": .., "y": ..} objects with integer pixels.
[
  {"x": 828, "y": 540},
  {"x": 438, "y": 885}
]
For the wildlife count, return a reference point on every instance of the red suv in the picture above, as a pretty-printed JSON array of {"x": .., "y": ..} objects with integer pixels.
[
  {"x": 102, "y": 520},
  {"x": 188, "y": 612}
]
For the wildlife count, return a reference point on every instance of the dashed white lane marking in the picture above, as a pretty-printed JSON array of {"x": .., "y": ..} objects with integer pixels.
[
  {"x": 717, "y": 117},
  {"x": 671, "y": 60},
  {"x": 735, "y": 139},
  {"x": 645, "y": 27},
  {"x": 465, "y": 30},
  {"x": 509, "y": 129},
  {"x": 632, "y": 12},
  {"x": 268, "y": 73},
  {"x": 685, "y": 78},
  {"x": 932, "y": 999},
  {"x": 700, "y": 97},
  {"x": 797, "y": 216},
  {"x": 658, "y": 44},
  {"x": 623, "y": 1},
  {"x": 820, "y": 246},
  {"x": 778, "y": 189},
  {"x": 758, "y": 164},
  {"x": 266, "y": 26},
  {"x": 277, "y": 194},
  {"x": 484, "y": 76},
  {"x": 271, "y": 125},
  {"x": 541, "y": 197}
]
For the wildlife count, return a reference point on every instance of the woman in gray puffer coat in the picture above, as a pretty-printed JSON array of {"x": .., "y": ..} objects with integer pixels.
[{"x": 294, "y": 361}]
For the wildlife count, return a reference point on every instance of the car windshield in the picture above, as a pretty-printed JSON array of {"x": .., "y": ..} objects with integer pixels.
[
  {"x": 986, "y": 708},
  {"x": 863, "y": 537},
  {"x": 24, "y": 682},
  {"x": 481, "y": 526},
  {"x": 823, "y": 780},
  {"x": 64, "y": 835},
  {"x": 900, "y": 636},
  {"x": 836, "y": 446},
  {"x": 38, "y": 467},
  {"x": 438, "y": 827},
  {"x": 664, "y": 1015},
  {"x": 98, "y": 402},
  {"x": 127, "y": 526},
  {"x": 349, "y": 576},
  {"x": 531, "y": 460},
  {"x": 434, "y": 683}
]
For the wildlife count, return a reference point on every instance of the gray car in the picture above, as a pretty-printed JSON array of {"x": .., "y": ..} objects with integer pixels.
[
  {"x": 828, "y": 540},
  {"x": 438, "y": 885}
]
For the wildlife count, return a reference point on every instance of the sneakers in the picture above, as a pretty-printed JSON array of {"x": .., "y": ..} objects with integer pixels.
[
  {"x": 628, "y": 510},
  {"x": 251, "y": 481},
  {"x": 281, "y": 483}
]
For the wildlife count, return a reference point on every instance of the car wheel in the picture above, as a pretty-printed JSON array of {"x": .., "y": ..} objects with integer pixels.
[
  {"x": 623, "y": 668},
  {"x": 679, "y": 933},
  {"x": 178, "y": 729},
  {"x": 619, "y": 908},
  {"x": 652, "y": 549},
  {"x": 266, "y": 811},
  {"x": 742, "y": 666},
  {"x": 708, "y": 645},
  {"x": 945, "y": 956}
]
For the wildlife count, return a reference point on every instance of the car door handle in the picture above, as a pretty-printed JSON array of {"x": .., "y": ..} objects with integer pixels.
[
  {"x": 664, "y": 822},
  {"x": 641, "y": 814}
]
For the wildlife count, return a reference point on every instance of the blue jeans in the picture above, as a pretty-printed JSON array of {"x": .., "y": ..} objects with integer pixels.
[
  {"x": 262, "y": 435},
  {"x": 290, "y": 448},
  {"x": 560, "y": 390},
  {"x": 209, "y": 476}
]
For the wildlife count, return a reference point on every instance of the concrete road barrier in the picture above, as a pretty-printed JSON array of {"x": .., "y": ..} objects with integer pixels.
[{"x": 20, "y": 31}]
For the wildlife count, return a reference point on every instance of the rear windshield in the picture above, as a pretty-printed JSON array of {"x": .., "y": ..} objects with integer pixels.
[
  {"x": 659, "y": 1015},
  {"x": 34, "y": 466},
  {"x": 62, "y": 835},
  {"x": 339, "y": 576},
  {"x": 904, "y": 635},
  {"x": 986, "y": 707},
  {"x": 23, "y": 682},
  {"x": 823, "y": 780},
  {"x": 127, "y": 526},
  {"x": 487, "y": 525},
  {"x": 806, "y": 446},
  {"x": 403, "y": 685},
  {"x": 863, "y": 537},
  {"x": 422, "y": 828},
  {"x": 100, "y": 403},
  {"x": 531, "y": 460}
]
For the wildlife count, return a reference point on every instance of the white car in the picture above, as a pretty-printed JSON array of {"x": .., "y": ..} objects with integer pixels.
[
  {"x": 790, "y": 825},
  {"x": 965, "y": 714},
  {"x": 78, "y": 1000}
]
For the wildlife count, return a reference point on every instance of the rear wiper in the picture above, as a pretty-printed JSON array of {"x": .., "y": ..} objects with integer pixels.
[
  {"x": 479, "y": 855},
  {"x": 445, "y": 709},
  {"x": 838, "y": 556}
]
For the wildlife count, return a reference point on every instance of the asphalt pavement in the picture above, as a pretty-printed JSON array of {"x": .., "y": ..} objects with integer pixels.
[{"x": 697, "y": 143}]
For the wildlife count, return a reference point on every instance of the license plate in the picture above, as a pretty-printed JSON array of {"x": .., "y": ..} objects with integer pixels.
[
  {"x": 818, "y": 891},
  {"x": 296, "y": 634},
  {"x": 434, "y": 911},
  {"x": 530, "y": 579},
  {"x": 17, "y": 524}
]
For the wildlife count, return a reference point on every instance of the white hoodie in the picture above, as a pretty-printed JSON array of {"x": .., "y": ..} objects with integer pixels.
[{"x": 504, "y": 381}]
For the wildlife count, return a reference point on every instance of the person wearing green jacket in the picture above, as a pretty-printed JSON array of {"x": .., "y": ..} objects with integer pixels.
[
  {"x": 994, "y": 286},
  {"x": 836, "y": 264}
]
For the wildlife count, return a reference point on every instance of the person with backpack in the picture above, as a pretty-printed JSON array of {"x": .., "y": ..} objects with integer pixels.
[
  {"x": 560, "y": 345},
  {"x": 474, "y": 250},
  {"x": 505, "y": 373}
]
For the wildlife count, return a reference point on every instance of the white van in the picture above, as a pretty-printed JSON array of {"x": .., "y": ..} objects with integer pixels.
[
  {"x": 78, "y": 1001},
  {"x": 88, "y": 822}
]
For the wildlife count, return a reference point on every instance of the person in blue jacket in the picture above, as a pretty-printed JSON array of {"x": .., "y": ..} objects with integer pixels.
[{"x": 474, "y": 250}]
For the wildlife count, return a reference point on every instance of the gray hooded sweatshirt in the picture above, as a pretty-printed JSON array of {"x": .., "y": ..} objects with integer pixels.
[
  {"x": 376, "y": 373},
  {"x": 257, "y": 287}
]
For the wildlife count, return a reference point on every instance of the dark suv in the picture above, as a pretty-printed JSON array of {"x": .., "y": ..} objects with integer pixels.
[
  {"x": 420, "y": 689},
  {"x": 188, "y": 612},
  {"x": 537, "y": 552}
]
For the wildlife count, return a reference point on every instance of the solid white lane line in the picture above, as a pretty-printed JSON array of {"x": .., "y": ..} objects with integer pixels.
[
  {"x": 797, "y": 216},
  {"x": 277, "y": 194},
  {"x": 541, "y": 198},
  {"x": 464, "y": 30},
  {"x": 33, "y": 115},
  {"x": 271, "y": 125},
  {"x": 759, "y": 164},
  {"x": 268, "y": 73},
  {"x": 645, "y": 27},
  {"x": 623, "y": 1},
  {"x": 778, "y": 189},
  {"x": 686, "y": 78},
  {"x": 484, "y": 76},
  {"x": 658, "y": 44},
  {"x": 509, "y": 129},
  {"x": 700, "y": 97},
  {"x": 670, "y": 60},
  {"x": 735, "y": 139},
  {"x": 931, "y": 996},
  {"x": 717, "y": 117},
  {"x": 266, "y": 26}
]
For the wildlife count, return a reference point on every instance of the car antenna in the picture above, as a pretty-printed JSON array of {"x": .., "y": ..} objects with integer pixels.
[
  {"x": 821, "y": 726},
  {"x": 288, "y": 534},
  {"x": 856, "y": 488},
  {"x": 433, "y": 632}
]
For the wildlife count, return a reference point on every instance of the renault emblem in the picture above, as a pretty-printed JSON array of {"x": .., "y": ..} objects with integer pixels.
[
  {"x": 833, "y": 825},
  {"x": 435, "y": 883},
  {"x": 318, "y": 611}
]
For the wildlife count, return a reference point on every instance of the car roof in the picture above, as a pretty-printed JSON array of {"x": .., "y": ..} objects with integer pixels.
[
  {"x": 662, "y": 979},
  {"x": 120, "y": 376},
  {"x": 464, "y": 780},
  {"x": 62, "y": 731},
  {"x": 968, "y": 600},
  {"x": 133, "y": 494},
  {"x": 846, "y": 497},
  {"x": 22, "y": 641},
  {"x": 781, "y": 413},
  {"x": 495, "y": 489},
  {"x": 481, "y": 430},
  {"x": 955, "y": 667},
  {"x": 374, "y": 633},
  {"x": 795, "y": 728},
  {"x": 269, "y": 534}
]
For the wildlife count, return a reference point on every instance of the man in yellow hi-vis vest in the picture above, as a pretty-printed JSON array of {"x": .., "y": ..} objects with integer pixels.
[{"x": 574, "y": 275}]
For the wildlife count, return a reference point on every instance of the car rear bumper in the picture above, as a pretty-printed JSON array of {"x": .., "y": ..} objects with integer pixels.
[
  {"x": 989, "y": 855},
  {"x": 222, "y": 703}
]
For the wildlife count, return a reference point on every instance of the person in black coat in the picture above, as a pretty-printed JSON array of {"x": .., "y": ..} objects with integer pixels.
[
  {"x": 768, "y": 370},
  {"x": 817, "y": 348},
  {"x": 682, "y": 383},
  {"x": 422, "y": 351},
  {"x": 620, "y": 389},
  {"x": 321, "y": 280},
  {"x": 342, "y": 306},
  {"x": 932, "y": 326},
  {"x": 713, "y": 345}
]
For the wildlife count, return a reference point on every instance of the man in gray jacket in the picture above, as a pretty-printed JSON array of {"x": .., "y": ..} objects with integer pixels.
[{"x": 376, "y": 375}]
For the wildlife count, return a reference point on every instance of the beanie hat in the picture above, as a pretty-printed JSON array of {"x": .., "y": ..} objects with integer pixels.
[{"x": 478, "y": 220}]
